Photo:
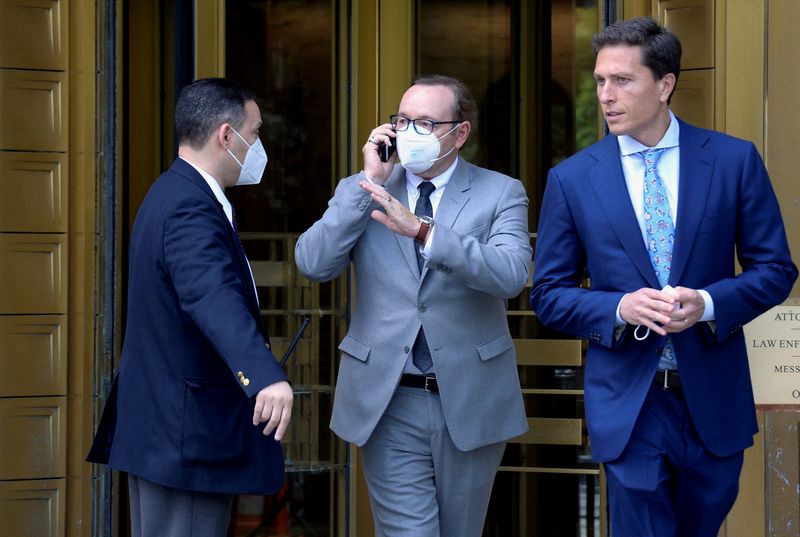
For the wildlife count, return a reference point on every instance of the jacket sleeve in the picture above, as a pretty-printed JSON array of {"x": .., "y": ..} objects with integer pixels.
[
  {"x": 499, "y": 266},
  {"x": 559, "y": 269},
  {"x": 323, "y": 251},
  {"x": 211, "y": 290},
  {"x": 762, "y": 250}
]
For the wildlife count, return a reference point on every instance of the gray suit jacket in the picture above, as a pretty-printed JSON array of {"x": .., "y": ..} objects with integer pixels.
[{"x": 480, "y": 257}]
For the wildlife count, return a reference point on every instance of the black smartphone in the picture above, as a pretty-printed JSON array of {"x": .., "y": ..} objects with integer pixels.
[{"x": 386, "y": 151}]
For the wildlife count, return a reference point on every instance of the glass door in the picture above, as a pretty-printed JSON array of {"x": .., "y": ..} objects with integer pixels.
[
  {"x": 529, "y": 66},
  {"x": 325, "y": 72},
  {"x": 285, "y": 51}
]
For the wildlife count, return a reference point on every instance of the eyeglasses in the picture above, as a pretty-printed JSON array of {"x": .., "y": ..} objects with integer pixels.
[{"x": 422, "y": 126}]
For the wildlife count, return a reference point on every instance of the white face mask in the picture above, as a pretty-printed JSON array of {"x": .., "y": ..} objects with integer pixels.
[
  {"x": 255, "y": 162},
  {"x": 418, "y": 152}
]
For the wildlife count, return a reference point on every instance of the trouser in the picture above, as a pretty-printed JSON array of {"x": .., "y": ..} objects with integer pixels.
[
  {"x": 159, "y": 511},
  {"x": 420, "y": 484},
  {"x": 666, "y": 483}
]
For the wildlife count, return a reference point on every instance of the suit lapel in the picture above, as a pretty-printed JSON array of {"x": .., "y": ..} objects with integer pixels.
[
  {"x": 696, "y": 165},
  {"x": 613, "y": 198},
  {"x": 396, "y": 186},
  {"x": 455, "y": 195},
  {"x": 453, "y": 199}
]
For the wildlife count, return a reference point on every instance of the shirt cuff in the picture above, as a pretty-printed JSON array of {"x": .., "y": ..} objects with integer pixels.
[
  {"x": 619, "y": 322},
  {"x": 708, "y": 312},
  {"x": 425, "y": 249},
  {"x": 368, "y": 178}
]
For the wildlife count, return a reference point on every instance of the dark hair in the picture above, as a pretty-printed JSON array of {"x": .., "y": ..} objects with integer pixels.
[
  {"x": 465, "y": 104},
  {"x": 661, "y": 49},
  {"x": 206, "y": 104}
]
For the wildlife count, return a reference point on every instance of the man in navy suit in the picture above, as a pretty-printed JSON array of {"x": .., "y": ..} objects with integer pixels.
[
  {"x": 196, "y": 376},
  {"x": 655, "y": 216}
]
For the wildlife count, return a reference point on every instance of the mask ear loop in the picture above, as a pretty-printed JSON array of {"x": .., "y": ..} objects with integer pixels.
[
  {"x": 451, "y": 149},
  {"x": 636, "y": 333}
]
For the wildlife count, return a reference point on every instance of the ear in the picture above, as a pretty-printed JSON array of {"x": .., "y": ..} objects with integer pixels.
[
  {"x": 667, "y": 83},
  {"x": 223, "y": 135},
  {"x": 462, "y": 134}
]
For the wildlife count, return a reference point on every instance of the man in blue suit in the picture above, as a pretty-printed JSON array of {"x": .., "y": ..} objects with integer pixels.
[
  {"x": 196, "y": 376},
  {"x": 655, "y": 216}
]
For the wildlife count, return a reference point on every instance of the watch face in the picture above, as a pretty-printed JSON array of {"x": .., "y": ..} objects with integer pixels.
[{"x": 426, "y": 220}]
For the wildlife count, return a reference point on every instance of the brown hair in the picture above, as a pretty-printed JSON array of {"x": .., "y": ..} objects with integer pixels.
[{"x": 465, "y": 103}]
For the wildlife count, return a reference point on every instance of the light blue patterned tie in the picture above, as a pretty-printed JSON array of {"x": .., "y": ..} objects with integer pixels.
[{"x": 660, "y": 232}]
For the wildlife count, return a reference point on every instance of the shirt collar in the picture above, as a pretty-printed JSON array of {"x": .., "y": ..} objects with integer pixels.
[
  {"x": 215, "y": 188},
  {"x": 629, "y": 146},
  {"x": 439, "y": 181}
]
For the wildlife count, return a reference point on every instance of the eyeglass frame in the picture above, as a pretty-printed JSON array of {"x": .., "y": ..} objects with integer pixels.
[{"x": 413, "y": 122}]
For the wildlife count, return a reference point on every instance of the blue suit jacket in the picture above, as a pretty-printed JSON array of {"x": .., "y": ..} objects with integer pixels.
[
  {"x": 727, "y": 210},
  {"x": 178, "y": 414}
]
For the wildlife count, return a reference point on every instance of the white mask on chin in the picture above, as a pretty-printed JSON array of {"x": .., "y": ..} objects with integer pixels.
[
  {"x": 255, "y": 162},
  {"x": 418, "y": 152}
]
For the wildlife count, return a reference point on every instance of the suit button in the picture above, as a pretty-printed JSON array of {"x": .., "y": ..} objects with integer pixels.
[
  {"x": 421, "y": 307},
  {"x": 245, "y": 382},
  {"x": 240, "y": 375},
  {"x": 267, "y": 345},
  {"x": 406, "y": 349}
]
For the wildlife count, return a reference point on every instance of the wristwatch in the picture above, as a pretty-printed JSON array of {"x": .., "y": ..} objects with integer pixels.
[{"x": 426, "y": 223}]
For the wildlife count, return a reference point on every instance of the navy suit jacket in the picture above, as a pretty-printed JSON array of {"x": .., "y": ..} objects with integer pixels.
[
  {"x": 178, "y": 413},
  {"x": 727, "y": 211}
]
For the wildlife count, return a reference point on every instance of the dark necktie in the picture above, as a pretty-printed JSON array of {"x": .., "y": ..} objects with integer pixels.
[{"x": 422, "y": 354}]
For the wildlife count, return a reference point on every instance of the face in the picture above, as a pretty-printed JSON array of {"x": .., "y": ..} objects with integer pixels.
[
  {"x": 250, "y": 132},
  {"x": 436, "y": 103},
  {"x": 633, "y": 101}
]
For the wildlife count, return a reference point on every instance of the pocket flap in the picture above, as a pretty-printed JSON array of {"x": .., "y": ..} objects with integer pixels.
[
  {"x": 354, "y": 348},
  {"x": 495, "y": 347}
]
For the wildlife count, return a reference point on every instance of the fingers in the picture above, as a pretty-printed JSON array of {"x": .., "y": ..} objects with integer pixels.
[
  {"x": 274, "y": 406},
  {"x": 382, "y": 134},
  {"x": 647, "y": 307},
  {"x": 379, "y": 194},
  {"x": 259, "y": 409},
  {"x": 664, "y": 312},
  {"x": 376, "y": 169},
  {"x": 286, "y": 416},
  {"x": 395, "y": 215},
  {"x": 692, "y": 307}
]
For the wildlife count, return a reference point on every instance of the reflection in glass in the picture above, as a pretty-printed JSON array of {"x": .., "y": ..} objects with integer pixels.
[
  {"x": 546, "y": 486},
  {"x": 573, "y": 100},
  {"x": 283, "y": 51},
  {"x": 472, "y": 42}
]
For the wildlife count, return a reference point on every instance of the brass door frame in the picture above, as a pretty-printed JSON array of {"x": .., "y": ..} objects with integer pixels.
[{"x": 56, "y": 57}]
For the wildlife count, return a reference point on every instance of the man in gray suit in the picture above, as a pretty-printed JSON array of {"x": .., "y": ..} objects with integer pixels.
[{"x": 428, "y": 383}]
